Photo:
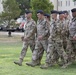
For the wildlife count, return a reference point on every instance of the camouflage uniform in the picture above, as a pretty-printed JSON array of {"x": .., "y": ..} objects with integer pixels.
[
  {"x": 55, "y": 43},
  {"x": 66, "y": 30},
  {"x": 64, "y": 36},
  {"x": 66, "y": 40},
  {"x": 71, "y": 47},
  {"x": 41, "y": 45},
  {"x": 51, "y": 44},
  {"x": 61, "y": 35},
  {"x": 30, "y": 30},
  {"x": 42, "y": 30}
]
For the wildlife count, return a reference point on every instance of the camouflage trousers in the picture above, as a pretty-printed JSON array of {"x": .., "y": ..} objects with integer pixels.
[
  {"x": 55, "y": 51},
  {"x": 50, "y": 52},
  {"x": 64, "y": 42},
  {"x": 40, "y": 47},
  {"x": 30, "y": 43},
  {"x": 71, "y": 50}
]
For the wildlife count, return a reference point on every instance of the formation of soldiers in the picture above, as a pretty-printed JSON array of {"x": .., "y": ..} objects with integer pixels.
[{"x": 57, "y": 37}]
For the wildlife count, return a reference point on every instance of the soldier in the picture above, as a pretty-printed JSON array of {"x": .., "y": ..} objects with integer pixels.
[
  {"x": 72, "y": 37},
  {"x": 56, "y": 41},
  {"x": 47, "y": 17},
  {"x": 29, "y": 37},
  {"x": 51, "y": 47},
  {"x": 66, "y": 33},
  {"x": 41, "y": 40},
  {"x": 65, "y": 36}
]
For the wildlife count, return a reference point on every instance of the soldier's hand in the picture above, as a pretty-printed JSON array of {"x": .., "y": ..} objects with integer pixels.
[
  {"x": 22, "y": 38},
  {"x": 74, "y": 38},
  {"x": 25, "y": 39},
  {"x": 40, "y": 38}
]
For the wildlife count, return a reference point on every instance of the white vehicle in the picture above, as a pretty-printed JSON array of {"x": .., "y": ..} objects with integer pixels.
[{"x": 21, "y": 21}]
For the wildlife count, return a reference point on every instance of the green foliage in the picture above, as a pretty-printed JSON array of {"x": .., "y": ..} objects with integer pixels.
[
  {"x": 23, "y": 5},
  {"x": 10, "y": 49},
  {"x": 10, "y": 10},
  {"x": 74, "y": 0},
  {"x": 44, "y": 5}
]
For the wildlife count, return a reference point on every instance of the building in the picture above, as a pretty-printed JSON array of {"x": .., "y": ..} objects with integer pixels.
[
  {"x": 1, "y": 6},
  {"x": 55, "y": 4},
  {"x": 64, "y": 5}
]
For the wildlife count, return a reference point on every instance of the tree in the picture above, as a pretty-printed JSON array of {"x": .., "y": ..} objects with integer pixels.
[
  {"x": 44, "y": 5},
  {"x": 23, "y": 5},
  {"x": 74, "y": 0},
  {"x": 10, "y": 11}
]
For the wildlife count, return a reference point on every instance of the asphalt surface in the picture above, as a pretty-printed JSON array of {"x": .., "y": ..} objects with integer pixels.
[{"x": 13, "y": 33}]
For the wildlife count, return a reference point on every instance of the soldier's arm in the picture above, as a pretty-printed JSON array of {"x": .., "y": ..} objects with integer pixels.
[
  {"x": 63, "y": 31},
  {"x": 67, "y": 32},
  {"x": 32, "y": 30},
  {"x": 46, "y": 29},
  {"x": 74, "y": 30},
  {"x": 52, "y": 30}
]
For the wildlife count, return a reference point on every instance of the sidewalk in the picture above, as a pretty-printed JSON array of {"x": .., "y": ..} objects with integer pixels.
[{"x": 13, "y": 33}]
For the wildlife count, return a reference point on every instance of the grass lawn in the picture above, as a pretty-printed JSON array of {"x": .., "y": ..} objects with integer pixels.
[{"x": 10, "y": 48}]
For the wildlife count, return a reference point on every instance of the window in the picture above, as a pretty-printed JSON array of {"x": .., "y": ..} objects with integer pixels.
[
  {"x": 66, "y": 3},
  {"x": 59, "y": 3},
  {"x": 69, "y": 3},
  {"x": 75, "y": 3}
]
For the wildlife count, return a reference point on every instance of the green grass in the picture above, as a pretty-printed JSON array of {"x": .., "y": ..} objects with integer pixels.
[{"x": 10, "y": 51}]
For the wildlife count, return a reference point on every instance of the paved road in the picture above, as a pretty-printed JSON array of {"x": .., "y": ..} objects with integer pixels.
[{"x": 13, "y": 33}]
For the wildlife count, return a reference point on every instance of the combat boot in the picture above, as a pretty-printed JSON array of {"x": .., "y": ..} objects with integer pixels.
[
  {"x": 60, "y": 63},
  {"x": 64, "y": 66},
  {"x": 45, "y": 66},
  {"x": 19, "y": 62},
  {"x": 33, "y": 64}
]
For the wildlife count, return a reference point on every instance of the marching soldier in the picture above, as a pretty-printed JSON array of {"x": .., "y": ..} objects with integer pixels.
[
  {"x": 47, "y": 17},
  {"x": 51, "y": 48},
  {"x": 72, "y": 38},
  {"x": 56, "y": 42},
  {"x": 28, "y": 38},
  {"x": 41, "y": 40},
  {"x": 66, "y": 26}
]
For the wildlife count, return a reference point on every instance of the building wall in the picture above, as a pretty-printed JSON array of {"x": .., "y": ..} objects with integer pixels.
[
  {"x": 54, "y": 3},
  {"x": 1, "y": 7},
  {"x": 64, "y": 5}
]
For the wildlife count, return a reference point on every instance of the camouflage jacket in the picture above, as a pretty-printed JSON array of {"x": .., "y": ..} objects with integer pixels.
[
  {"x": 52, "y": 29},
  {"x": 66, "y": 27},
  {"x": 56, "y": 30},
  {"x": 30, "y": 29},
  {"x": 42, "y": 28},
  {"x": 72, "y": 28}
]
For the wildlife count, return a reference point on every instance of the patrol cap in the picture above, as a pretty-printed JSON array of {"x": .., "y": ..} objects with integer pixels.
[
  {"x": 40, "y": 11},
  {"x": 48, "y": 15},
  {"x": 73, "y": 10},
  {"x": 28, "y": 11},
  {"x": 61, "y": 12},
  {"x": 54, "y": 12}
]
